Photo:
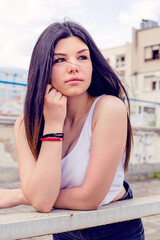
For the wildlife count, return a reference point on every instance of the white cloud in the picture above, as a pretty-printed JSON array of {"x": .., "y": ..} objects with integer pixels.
[
  {"x": 138, "y": 10},
  {"x": 21, "y": 22},
  {"x": 124, "y": 18}
]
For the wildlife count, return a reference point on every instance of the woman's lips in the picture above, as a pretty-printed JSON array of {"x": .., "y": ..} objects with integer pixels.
[{"x": 74, "y": 80}]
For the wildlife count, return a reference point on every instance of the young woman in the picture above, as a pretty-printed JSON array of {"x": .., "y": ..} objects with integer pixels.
[{"x": 73, "y": 142}]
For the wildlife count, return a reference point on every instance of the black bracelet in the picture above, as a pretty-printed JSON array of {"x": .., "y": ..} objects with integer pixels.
[{"x": 58, "y": 135}]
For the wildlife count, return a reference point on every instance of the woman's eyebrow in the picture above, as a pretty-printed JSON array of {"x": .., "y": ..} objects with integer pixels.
[
  {"x": 61, "y": 54},
  {"x": 83, "y": 50},
  {"x": 64, "y": 54}
]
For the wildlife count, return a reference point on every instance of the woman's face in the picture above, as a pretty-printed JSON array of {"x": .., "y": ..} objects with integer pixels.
[{"x": 72, "y": 67}]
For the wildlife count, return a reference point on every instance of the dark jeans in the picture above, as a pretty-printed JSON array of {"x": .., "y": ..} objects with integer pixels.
[{"x": 127, "y": 230}]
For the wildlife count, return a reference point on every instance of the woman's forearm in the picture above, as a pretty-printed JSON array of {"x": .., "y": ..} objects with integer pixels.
[
  {"x": 12, "y": 197},
  {"x": 21, "y": 199},
  {"x": 44, "y": 183},
  {"x": 75, "y": 198}
]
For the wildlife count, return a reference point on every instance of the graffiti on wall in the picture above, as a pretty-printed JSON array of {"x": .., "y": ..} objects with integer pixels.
[{"x": 143, "y": 148}]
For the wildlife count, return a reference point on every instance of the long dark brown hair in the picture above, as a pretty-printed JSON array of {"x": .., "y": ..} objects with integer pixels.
[{"x": 104, "y": 80}]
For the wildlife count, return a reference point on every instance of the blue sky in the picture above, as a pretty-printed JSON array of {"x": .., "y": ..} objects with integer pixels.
[{"x": 109, "y": 22}]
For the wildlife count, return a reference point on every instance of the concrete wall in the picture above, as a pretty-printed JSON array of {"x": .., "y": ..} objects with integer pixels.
[
  {"x": 146, "y": 144},
  {"x": 7, "y": 147}
]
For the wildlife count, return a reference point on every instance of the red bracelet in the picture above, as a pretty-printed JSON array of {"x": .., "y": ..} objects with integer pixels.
[{"x": 52, "y": 139}]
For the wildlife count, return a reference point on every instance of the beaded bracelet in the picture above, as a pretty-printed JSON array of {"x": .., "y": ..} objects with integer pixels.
[
  {"x": 58, "y": 135},
  {"x": 52, "y": 139}
]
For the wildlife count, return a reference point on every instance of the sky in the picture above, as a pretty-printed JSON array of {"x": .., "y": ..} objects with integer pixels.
[{"x": 109, "y": 22}]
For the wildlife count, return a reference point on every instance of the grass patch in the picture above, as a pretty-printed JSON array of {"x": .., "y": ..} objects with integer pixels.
[{"x": 156, "y": 174}]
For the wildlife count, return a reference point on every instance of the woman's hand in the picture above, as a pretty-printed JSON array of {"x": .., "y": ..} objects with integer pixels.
[
  {"x": 11, "y": 198},
  {"x": 54, "y": 110}
]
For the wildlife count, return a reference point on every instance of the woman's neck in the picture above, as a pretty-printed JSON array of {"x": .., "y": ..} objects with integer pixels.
[{"x": 78, "y": 107}]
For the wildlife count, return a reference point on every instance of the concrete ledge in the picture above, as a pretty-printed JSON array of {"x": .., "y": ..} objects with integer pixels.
[
  {"x": 142, "y": 171},
  {"x": 32, "y": 223}
]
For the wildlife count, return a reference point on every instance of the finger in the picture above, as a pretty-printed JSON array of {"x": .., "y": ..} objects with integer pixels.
[
  {"x": 58, "y": 96},
  {"x": 48, "y": 89},
  {"x": 64, "y": 99}
]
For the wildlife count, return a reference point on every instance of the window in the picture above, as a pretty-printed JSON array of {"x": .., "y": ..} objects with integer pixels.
[
  {"x": 148, "y": 53},
  {"x": 155, "y": 54},
  {"x": 148, "y": 82},
  {"x": 149, "y": 110},
  {"x": 152, "y": 52},
  {"x": 122, "y": 73},
  {"x": 120, "y": 61},
  {"x": 154, "y": 83},
  {"x": 151, "y": 83},
  {"x": 139, "y": 109}
]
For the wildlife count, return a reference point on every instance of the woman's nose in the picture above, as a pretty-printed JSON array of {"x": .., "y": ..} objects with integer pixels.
[{"x": 73, "y": 67}]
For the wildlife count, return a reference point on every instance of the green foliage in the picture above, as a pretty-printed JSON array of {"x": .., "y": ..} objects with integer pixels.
[{"x": 156, "y": 174}]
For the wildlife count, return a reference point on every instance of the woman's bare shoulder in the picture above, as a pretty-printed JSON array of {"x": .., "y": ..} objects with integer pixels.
[
  {"x": 107, "y": 106},
  {"x": 110, "y": 103},
  {"x": 19, "y": 124}
]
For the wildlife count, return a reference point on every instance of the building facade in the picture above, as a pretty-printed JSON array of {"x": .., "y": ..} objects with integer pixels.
[
  {"x": 138, "y": 64},
  {"x": 145, "y": 68},
  {"x": 120, "y": 60}
]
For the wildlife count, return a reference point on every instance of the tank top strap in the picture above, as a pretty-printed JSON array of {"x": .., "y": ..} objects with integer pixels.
[
  {"x": 94, "y": 103},
  {"x": 88, "y": 122}
]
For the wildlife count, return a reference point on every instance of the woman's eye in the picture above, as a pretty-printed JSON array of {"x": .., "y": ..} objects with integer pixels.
[
  {"x": 82, "y": 58},
  {"x": 59, "y": 60}
]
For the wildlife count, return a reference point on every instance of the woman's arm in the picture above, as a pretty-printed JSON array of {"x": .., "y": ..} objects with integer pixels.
[
  {"x": 12, "y": 197},
  {"x": 40, "y": 179},
  {"x": 107, "y": 148}
]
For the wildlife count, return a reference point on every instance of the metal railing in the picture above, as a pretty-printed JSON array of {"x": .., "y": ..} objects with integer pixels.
[{"x": 143, "y": 112}]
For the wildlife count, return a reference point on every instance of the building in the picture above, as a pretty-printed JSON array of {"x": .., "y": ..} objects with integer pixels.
[
  {"x": 120, "y": 60},
  {"x": 145, "y": 68},
  {"x": 138, "y": 64}
]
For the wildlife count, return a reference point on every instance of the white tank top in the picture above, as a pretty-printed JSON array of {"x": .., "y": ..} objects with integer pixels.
[{"x": 74, "y": 165}]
